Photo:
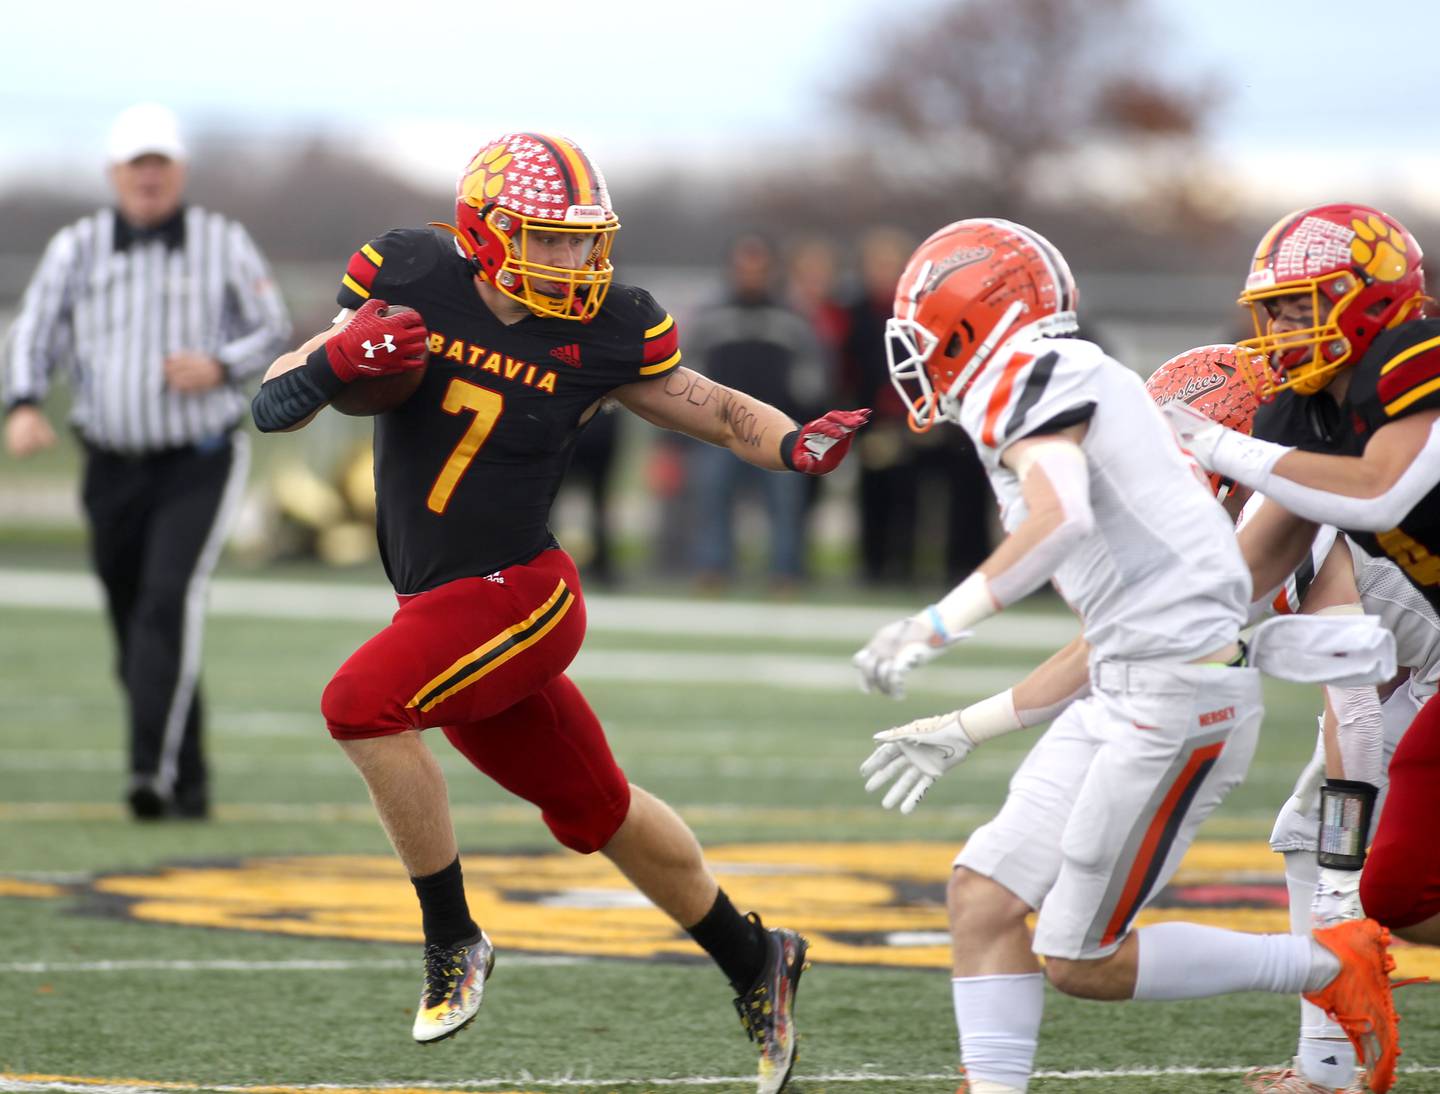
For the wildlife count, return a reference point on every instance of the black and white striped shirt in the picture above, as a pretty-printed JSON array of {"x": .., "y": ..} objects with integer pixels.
[{"x": 108, "y": 305}]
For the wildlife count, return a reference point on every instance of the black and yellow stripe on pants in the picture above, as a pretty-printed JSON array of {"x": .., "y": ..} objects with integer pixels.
[{"x": 488, "y": 657}]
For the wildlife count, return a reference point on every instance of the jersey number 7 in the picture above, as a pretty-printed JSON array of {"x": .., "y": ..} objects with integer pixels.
[
  {"x": 1411, "y": 556},
  {"x": 487, "y": 405}
]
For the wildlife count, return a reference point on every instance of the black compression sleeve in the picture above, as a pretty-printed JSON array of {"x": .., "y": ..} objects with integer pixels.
[{"x": 293, "y": 396}]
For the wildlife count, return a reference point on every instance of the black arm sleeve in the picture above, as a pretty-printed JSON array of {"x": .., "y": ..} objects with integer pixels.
[{"x": 293, "y": 396}]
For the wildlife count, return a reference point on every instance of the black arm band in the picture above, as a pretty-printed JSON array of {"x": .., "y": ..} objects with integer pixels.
[
  {"x": 293, "y": 396},
  {"x": 1346, "y": 807},
  {"x": 787, "y": 448},
  {"x": 16, "y": 404}
]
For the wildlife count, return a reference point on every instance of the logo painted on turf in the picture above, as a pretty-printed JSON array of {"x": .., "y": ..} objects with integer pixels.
[{"x": 877, "y": 904}]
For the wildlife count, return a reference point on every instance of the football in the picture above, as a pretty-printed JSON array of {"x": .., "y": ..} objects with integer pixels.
[{"x": 373, "y": 395}]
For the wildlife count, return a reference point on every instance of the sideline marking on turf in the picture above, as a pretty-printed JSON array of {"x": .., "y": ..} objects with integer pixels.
[{"x": 40, "y": 1084}]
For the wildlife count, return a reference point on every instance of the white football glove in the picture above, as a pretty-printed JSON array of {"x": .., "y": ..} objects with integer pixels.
[
  {"x": 1198, "y": 434},
  {"x": 896, "y": 649},
  {"x": 915, "y": 755}
]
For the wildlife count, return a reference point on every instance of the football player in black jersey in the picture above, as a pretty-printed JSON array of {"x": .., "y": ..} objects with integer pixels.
[
  {"x": 525, "y": 334},
  {"x": 1354, "y": 375}
]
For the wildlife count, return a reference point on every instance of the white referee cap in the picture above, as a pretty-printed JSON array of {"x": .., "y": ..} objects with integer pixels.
[{"x": 145, "y": 129}]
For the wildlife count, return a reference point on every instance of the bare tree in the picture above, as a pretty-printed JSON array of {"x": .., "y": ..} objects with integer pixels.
[{"x": 996, "y": 92}]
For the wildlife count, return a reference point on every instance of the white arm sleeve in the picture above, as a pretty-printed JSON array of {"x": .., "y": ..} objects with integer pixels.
[
  {"x": 978, "y": 596},
  {"x": 1360, "y": 724},
  {"x": 1068, "y": 472},
  {"x": 1253, "y": 463}
]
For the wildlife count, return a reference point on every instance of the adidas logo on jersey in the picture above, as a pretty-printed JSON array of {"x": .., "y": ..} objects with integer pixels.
[{"x": 569, "y": 355}]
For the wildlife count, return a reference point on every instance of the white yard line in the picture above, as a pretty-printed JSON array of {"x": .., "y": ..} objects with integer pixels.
[
  {"x": 607, "y": 612},
  {"x": 362, "y": 812},
  {"x": 526, "y": 1080}
]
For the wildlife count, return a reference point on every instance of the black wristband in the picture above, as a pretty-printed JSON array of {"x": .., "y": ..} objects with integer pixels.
[
  {"x": 787, "y": 449},
  {"x": 317, "y": 368},
  {"x": 293, "y": 396},
  {"x": 1346, "y": 807},
  {"x": 15, "y": 404}
]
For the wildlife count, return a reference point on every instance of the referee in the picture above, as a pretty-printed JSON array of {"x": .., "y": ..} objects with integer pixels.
[{"x": 159, "y": 312}]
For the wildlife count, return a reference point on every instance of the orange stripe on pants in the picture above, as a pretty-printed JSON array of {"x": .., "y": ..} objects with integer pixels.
[{"x": 1151, "y": 845}]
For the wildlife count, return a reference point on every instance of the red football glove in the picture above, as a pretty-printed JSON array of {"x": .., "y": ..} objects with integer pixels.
[
  {"x": 377, "y": 344},
  {"x": 818, "y": 447}
]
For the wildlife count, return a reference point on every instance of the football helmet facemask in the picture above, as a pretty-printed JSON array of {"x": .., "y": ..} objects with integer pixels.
[
  {"x": 967, "y": 291},
  {"x": 1363, "y": 273},
  {"x": 523, "y": 185},
  {"x": 1220, "y": 382}
]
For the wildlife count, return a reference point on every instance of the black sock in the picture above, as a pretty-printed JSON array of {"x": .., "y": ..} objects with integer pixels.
[
  {"x": 737, "y": 943},
  {"x": 443, "y": 911}
]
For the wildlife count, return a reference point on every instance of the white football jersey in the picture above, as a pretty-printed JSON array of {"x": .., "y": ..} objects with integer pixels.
[{"x": 1159, "y": 577}]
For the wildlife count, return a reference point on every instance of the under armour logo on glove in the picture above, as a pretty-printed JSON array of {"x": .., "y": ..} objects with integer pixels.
[
  {"x": 817, "y": 447},
  {"x": 820, "y": 444},
  {"x": 387, "y": 344}
]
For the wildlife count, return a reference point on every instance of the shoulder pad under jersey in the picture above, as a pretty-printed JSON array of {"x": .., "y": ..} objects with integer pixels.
[
  {"x": 1050, "y": 382},
  {"x": 389, "y": 262},
  {"x": 650, "y": 338}
]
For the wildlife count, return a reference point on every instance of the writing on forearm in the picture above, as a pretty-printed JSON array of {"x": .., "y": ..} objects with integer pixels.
[
  {"x": 742, "y": 419},
  {"x": 732, "y": 409},
  {"x": 690, "y": 386}
]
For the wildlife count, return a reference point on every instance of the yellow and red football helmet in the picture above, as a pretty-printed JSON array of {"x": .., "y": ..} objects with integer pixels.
[
  {"x": 1364, "y": 273},
  {"x": 1220, "y": 382},
  {"x": 524, "y": 183},
  {"x": 969, "y": 289}
]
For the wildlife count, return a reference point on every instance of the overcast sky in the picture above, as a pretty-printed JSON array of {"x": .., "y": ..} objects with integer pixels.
[{"x": 1316, "y": 103}]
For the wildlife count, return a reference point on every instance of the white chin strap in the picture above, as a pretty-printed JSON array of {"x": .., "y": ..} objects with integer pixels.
[{"x": 982, "y": 353}]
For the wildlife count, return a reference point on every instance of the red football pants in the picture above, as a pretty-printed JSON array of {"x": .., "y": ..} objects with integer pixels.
[
  {"x": 1400, "y": 885},
  {"x": 484, "y": 659}
]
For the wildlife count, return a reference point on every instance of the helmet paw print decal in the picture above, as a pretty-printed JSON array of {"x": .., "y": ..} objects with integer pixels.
[
  {"x": 1377, "y": 250},
  {"x": 485, "y": 177}
]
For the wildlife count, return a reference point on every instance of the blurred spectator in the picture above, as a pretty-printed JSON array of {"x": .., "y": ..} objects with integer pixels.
[
  {"x": 753, "y": 342},
  {"x": 160, "y": 311},
  {"x": 908, "y": 482},
  {"x": 812, "y": 282}
]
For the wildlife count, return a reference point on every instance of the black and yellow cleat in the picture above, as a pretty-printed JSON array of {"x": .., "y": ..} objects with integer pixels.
[{"x": 454, "y": 987}]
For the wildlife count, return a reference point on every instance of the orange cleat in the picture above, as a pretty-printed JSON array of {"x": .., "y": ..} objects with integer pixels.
[{"x": 1360, "y": 997}]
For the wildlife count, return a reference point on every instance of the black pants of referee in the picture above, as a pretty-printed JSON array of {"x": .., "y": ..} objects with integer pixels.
[{"x": 157, "y": 524}]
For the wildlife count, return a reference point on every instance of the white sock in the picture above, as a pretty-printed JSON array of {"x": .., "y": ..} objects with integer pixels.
[
  {"x": 1187, "y": 961},
  {"x": 1324, "y": 1056},
  {"x": 1326, "y": 1062},
  {"x": 999, "y": 1022}
]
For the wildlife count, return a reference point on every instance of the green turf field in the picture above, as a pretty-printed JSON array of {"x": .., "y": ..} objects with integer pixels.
[{"x": 273, "y": 947}]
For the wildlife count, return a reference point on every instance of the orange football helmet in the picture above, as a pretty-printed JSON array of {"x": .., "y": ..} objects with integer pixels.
[
  {"x": 969, "y": 289},
  {"x": 1218, "y": 381},
  {"x": 525, "y": 183},
  {"x": 1364, "y": 273}
]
